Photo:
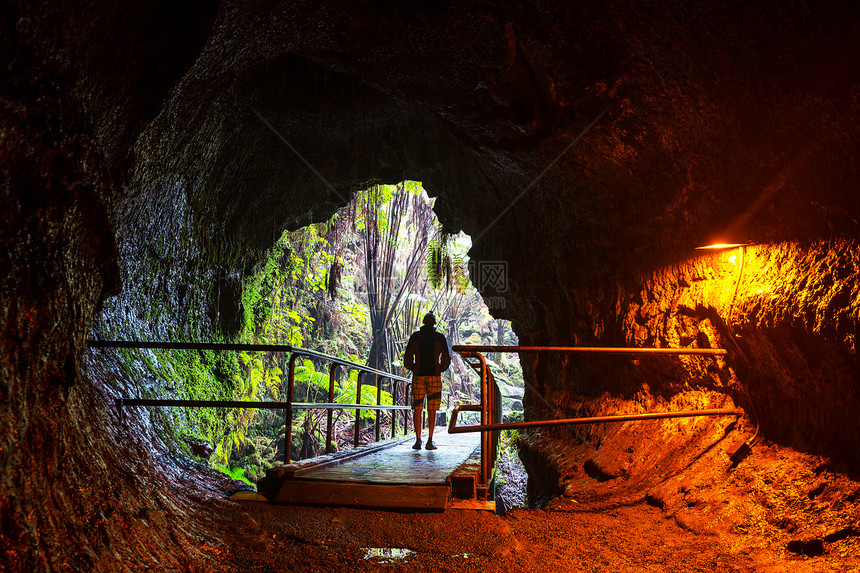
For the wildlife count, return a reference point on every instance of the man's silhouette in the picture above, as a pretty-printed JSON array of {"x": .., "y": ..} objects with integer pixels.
[{"x": 427, "y": 357}]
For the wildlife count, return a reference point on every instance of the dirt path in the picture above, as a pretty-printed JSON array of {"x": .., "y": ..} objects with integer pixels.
[{"x": 563, "y": 538}]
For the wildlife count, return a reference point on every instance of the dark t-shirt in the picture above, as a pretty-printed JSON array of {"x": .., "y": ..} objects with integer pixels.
[{"x": 427, "y": 352}]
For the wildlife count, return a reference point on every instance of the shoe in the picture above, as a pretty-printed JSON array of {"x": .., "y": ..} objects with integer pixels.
[
  {"x": 417, "y": 445},
  {"x": 429, "y": 445}
]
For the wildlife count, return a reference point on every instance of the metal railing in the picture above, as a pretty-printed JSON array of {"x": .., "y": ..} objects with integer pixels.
[
  {"x": 289, "y": 405},
  {"x": 490, "y": 410}
]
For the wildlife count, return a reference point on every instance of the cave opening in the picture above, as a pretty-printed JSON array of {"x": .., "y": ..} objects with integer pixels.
[{"x": 354, "y": 287}]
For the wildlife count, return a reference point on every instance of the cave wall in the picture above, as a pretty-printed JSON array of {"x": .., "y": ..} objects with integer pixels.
[
  {"x": 787, "y": 470},
  {"x": 623, "y": 134},
  {"x": 79, "y": 488},
  {"x": 787, "y": 314}
]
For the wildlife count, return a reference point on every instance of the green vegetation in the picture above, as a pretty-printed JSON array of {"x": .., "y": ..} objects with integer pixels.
[{"x": 356, "y": 287}]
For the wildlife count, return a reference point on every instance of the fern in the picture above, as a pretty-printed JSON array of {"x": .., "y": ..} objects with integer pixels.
[
  {"x": 234, "y": 473},
  {"x": 307, "y": 373},
  {"x": 346, "y": 395}
]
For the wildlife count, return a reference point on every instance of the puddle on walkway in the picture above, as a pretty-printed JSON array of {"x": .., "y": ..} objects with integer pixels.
[
  {"x": 394, "y": 554},
  {"x": 386, "y": 554}
]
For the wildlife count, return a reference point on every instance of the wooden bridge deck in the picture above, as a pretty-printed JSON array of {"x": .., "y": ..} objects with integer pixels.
[{"x": 387, "y": 474}]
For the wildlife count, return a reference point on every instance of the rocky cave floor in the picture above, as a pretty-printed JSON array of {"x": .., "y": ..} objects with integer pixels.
[
  {"x": 562, "y": 537},
  {"x": 570, "y": 534}
]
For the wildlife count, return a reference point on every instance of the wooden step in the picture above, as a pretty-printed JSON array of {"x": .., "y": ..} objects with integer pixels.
[
  {"x": 385, "y": 475},
  {"x": 464, "y": 480},
  {"x": 351, "y": 494}
]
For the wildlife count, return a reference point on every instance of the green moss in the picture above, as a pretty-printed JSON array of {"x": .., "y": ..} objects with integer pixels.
[{"x": 285, "y": 297}]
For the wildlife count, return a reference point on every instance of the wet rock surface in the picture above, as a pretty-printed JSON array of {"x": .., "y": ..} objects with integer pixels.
[{"x": 512, "y": 475}]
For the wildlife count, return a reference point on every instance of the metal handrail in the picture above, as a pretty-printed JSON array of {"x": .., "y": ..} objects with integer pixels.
[
  {"x": 590, "y": 350},
  {"x": 344, "y": 362},
  {"x": 188, "y": 345},
  {"x": 487, "y": 409},
  {"x": 339, "y": 406},
  {"x": 289, "y": 405},
  {"x": 336, "y": 362},
  {"x": 254, "y": 404},
  {"x": 588, "y": 420},
  {"x": 239, "y": 346}
]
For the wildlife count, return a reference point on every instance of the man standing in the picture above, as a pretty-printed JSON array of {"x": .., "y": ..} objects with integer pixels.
[{"x": 427, "y": 357}]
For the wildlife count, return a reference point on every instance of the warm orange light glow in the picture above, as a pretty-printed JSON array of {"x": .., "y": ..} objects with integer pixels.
[{"x": 718, "y": 246}]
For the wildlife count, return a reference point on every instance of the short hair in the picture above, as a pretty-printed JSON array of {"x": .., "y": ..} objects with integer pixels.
[{"x": 429, "y": 319}]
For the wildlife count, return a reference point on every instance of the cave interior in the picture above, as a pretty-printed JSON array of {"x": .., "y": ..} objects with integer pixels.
[{"x": 592, "y": 147}]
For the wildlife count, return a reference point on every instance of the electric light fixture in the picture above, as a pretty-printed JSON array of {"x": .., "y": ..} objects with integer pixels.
[{"x": 721, "y": 246}]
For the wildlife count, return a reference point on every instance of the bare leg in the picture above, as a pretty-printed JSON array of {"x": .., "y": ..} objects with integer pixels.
[
  {"x": 417, "y": 423},
  {"x": 431, "y": 423}
]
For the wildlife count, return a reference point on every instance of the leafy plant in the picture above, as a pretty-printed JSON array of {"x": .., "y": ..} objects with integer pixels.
[
  {"x": 234, "y": 473},
  {"x": 346, "y": 394},
  {"x": 446, "y": 268},
  {"x": 306, "y": 373}
]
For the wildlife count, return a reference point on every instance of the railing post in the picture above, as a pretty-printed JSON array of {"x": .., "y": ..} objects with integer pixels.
[
  {"x": 394, "y": 388},
  {"x": 485, "y": 449},
  {"x": 378, "y": 401},
  {"x": 495, "y": 415},
  {"x": 357, "y": 410},
  {"x": 328, "y": 428},
  {"x": 288, "y": 423},
  {"x": 407, "y": 401}
]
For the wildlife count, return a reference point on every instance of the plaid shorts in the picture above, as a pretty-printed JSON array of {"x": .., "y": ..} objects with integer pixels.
[{"x": 430, "y": 386}]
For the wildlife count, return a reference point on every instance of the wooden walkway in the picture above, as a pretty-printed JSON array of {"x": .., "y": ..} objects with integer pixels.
[{"x": 386, "y": 474}]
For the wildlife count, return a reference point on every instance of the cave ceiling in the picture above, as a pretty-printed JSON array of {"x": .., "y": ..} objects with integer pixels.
[{"x": 619, "y": 135}]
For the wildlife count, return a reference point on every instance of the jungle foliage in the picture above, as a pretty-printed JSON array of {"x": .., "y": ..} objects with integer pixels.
[{"x": 354, "y": 287}]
